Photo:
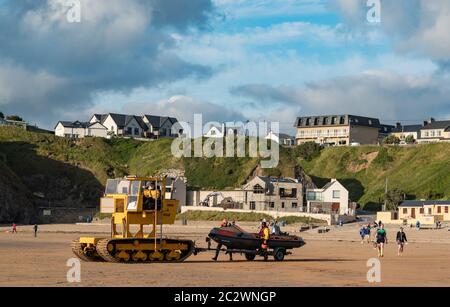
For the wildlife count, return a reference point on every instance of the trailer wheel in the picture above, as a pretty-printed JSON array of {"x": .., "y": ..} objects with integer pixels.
[
  {"x": 250, "y": 257},
  {"x": 278, "y": 254}
]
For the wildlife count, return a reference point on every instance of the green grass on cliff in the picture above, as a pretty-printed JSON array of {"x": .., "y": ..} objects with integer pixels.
[{"x": 421, "y": 171}]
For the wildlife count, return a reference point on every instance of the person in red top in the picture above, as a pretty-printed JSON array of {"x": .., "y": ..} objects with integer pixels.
[
  {"x": 219, "y": 246},
  {"x": 14, "y": 228}
]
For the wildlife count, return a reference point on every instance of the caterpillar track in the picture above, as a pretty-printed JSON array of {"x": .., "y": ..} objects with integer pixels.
[
  {"x": 80, "y": 252},
  {"x": 137, "y": 250}
]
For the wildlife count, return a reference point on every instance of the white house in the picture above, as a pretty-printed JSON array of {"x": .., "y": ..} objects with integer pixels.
[
  {"x": 79, "y": 129},
  {"x": 281, "y": 138},
  {"x": 332, "y": 198},
  {"x": 223, "y": 130},
  {"x": 161, "y": 126},
  {"x": 121, "y": 124}
]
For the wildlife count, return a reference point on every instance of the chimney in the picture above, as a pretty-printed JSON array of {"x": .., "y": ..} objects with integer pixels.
[
  {"x": 425, "y": 123},
  {"x": 431, "y": 120}
]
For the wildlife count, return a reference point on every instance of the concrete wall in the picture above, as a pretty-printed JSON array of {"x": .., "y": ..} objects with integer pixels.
[{"x": 275, "y": 214}]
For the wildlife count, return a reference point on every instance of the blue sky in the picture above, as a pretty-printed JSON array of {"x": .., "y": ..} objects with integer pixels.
[{"x": 227, "y": 59}]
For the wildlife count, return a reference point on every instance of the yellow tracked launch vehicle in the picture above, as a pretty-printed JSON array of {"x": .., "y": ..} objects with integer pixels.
[{"x": 139, "y": 207}]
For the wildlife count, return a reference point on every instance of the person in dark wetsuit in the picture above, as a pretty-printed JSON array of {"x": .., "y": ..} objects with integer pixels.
[
  {"x": 381, "y": 240},
  {"x": 401, "y": 241},
  {"x": 219, "y": 245}
]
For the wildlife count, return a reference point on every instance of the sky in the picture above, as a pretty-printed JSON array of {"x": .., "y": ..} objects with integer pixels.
[{"x": 230, "y": 60}]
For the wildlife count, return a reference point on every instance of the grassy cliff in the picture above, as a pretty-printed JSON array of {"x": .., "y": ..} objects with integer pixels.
[
  {"x": 39, "y": 168},
  {"x": 422, "y": 172}
]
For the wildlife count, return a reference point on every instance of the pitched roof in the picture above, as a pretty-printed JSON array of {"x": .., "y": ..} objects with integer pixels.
[
  {"x": 407, "y": 128},
  {"x": 123, "y": 120},
  {"x": 75, "y": 124},
  {"x": 421, "y": 203},
  {"x": 444, "y": 124},
  {"x": 158, "y": 121}
]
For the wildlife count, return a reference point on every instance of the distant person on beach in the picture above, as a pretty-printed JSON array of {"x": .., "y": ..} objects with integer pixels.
[
  {"x": 14, "y": 228},
  {"x": 367, "y": 234},
  {"x": 401, "y": 241},
  {"x": 381, "y": 240},
  {"x": 35, "y": 228},
  {"x": 418, "y": 225},
  {"x": 362, "y": 233}
]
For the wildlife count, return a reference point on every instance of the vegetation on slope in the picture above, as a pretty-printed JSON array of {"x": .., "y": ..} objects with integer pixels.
[
  {"x": 43, "y": 168},
  {"x": 421, "y": 172}
]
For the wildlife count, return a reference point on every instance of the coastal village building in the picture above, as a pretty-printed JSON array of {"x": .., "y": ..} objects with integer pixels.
[
  {"x": 161, "y": 126},
  {"x": 216, "y": 131},
  {"x": 339, "y": 130},
  {"x": 410, "y": 211},
  {"x": 122, "y": 125},
  {"x": 332, "y": 198},
  {"x": 259, "y": 194},
  {"x": 268, "y": 194},
  {"x": 281, "y": 138},
  {"x": 403, "y": 132},
  {"x": 80, "y": 130},
  {"x": 434, "y": 131}
]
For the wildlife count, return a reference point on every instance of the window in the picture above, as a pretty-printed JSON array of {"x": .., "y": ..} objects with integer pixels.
[
  {"x": 272, "y": 205},
  {"x": 439, "y": 209},
  {"x": 129, "y": 130},
  {"x": 294, "y": 205},
  {"x": 252, "y": 205},
  {"x": 336, "y": 194},
  {"x": 257, "y": 189},
  {"x": 136, "y": 131},
  {"x": 282, "y": 205},
  {"x": 405, "y": 210},
  {"x": 446, "y": 209},
  {"x": 422, "y": 210},
  {"x": 316, "y": 121},
  {"x": 342, "y": 120}
]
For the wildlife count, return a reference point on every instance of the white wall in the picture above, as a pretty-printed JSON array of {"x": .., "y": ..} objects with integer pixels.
[
  {"x": 342, "y": 200},
  {"x": 110, "y": 124},
  {"x": 97, "y": 130}
]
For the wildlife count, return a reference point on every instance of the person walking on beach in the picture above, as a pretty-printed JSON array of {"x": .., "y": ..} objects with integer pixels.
[
  {"x": 14, "y": 228},
  {"x": 219, "y": 246},
  {"x": 35, "y": 228},
  {"x": 362, "y": 233},
  {"x": 401, "y": 241},
  {"x": 381, "y": 240}
]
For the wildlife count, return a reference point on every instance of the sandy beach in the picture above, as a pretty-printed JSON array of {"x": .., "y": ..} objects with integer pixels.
[{"x": 336, "y": 258}]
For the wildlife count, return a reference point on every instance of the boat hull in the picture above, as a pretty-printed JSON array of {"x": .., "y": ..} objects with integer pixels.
[{"x": 235, "y": 238}]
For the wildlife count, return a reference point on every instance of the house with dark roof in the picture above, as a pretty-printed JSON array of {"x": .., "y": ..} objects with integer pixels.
[
  {"x": 332, "y": 198},
  {"x": 339, "y": 130},
  {"x": 79, "y": 129},
  {"x": 273, "y": 194},
  {"x": 434, "y": 131},
  {"x": 121, "y": 124},
  {"x": 162, "y": 126},
  {"x": 404, "y": 131}
]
